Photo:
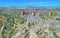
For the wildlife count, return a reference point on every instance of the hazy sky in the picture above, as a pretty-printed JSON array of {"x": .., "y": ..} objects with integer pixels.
[{"x": 18, "y": 3}]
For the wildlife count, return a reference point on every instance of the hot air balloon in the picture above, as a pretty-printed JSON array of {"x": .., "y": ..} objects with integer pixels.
[
  {"x": 22, "y": 13},
  {"x": 33, "y": 13}
]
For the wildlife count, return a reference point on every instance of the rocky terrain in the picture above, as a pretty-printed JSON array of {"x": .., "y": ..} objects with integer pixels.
[{"x": 44, "y": 24}]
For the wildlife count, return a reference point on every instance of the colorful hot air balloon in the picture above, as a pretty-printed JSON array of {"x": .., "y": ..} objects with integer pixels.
[
  {"x": 33, "y": 13},
  {"x": 50, "y": 13},
  {"x": 22, "y": 13}
]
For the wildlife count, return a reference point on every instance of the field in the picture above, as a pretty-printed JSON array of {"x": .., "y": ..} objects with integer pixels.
[{"x": 44, "y": 24}]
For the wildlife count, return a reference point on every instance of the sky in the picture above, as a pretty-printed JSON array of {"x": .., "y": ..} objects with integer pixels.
[{"x": 38, "y": 3}]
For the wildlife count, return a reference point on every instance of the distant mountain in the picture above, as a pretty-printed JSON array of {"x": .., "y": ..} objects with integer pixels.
[{"x": 29, "y": 7}]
